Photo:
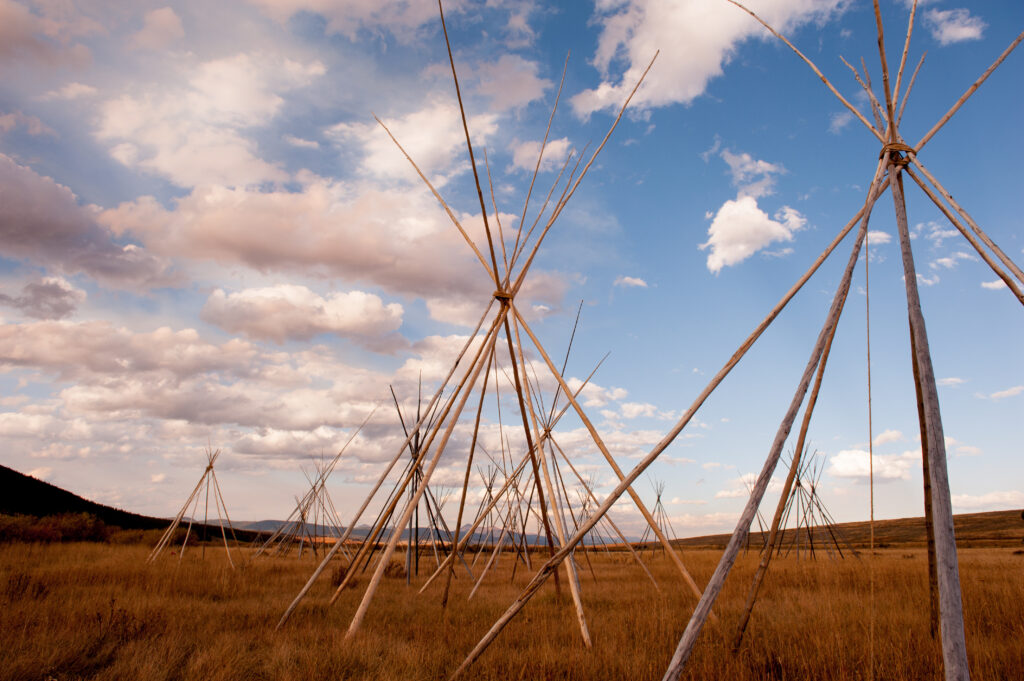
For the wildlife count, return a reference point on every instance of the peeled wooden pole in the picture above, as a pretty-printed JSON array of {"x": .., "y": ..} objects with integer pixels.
[
  {"x": 954, "y": 646},
  {"x": 1010, "y": 264},
  {"x": 714, "y": 587},
  {"x": 380, "y": 481},
  {"x": 794, "y": 466},
  {"x": 1011, "y": 283},
  {"x": 465, "y": 481},
  {"x": 378, "y": 574},
  {"x": 929, "y": 522},
  {"x": 545, "y": 571},
  {"x": 570, "y": 565},
  {"x": 510, "y": 481},
  {"x": 414, "y": 470},
  {"x": 970, "y": 91},
  {"x": 615, "y": 528},
  {"x": 854, "y": 110},
  {"x": 611, "y": 461}
]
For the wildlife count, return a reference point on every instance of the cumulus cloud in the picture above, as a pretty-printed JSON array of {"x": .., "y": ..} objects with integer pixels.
[
  {"x": 950, "y": 261},
  {"x": 696, "y": 39},
  {"x": 400, "y": 18},
  {"x": 741, "y": 228},
  {"x": 30, "y": 124},
  {"x": 70, "y": 91},
  {"x": 195, "y": 132},
  {"x": 853, "y": 463},
  {"x": 994, "y": 285},
  {"x": 753, "y": 177},
  {"x": 46, "y": 298},
  {"x": 432, "y": 136},
  {"x": 161, "y": 28},
  {"x": 41, "y": 221},
  {"x": 524, "y": 154},
  {"x": 595, "y": 395},
  {"x": 954, "y": 25},
  {"x": 629, "y": 282},
  {"x": 291, "y": 312},
  {"x": 877, "y": 238},
  {"x": 1009, "y": 392},
  {"x": 358, "y": 234},
  {"x": 887, "y": 436},
  {"x": 511, "y": 82},
  {"x": 990, "y": 501},
  {"x": 47, "y": 36}
]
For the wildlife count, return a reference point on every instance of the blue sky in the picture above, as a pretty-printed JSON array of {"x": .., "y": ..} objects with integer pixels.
[{"x": 206, "y": 239}]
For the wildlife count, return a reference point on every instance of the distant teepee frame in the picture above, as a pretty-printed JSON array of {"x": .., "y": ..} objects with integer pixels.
[{"x": 207, "y": 481}]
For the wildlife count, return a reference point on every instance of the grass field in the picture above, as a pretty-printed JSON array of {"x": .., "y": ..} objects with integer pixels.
[{"x": 96, "y": 611}]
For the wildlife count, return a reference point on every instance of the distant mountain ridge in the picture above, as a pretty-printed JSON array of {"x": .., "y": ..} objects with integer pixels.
[{"x": 22, "y": 494}]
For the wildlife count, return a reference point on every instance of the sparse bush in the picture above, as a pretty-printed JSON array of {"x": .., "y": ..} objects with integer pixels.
[{"x": 55, "y": 528}]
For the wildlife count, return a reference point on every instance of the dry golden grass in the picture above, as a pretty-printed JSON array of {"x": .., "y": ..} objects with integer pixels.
[{"x": 95, "y": 611}]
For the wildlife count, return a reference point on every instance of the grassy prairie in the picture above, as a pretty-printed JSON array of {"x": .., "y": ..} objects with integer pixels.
[{"x": 96, "y": 611}]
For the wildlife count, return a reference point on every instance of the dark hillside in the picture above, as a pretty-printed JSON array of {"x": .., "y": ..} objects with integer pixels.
[{"x": 22, "y": 494}]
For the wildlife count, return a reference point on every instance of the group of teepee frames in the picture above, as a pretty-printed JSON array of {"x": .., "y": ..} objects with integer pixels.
[{"x": 507, "y": 269}]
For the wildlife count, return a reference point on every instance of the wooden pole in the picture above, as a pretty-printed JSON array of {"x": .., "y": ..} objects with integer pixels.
[
  {"x": 545, "y": 571},
  {"x": 929, "y": 517},
  {"x": 794, "y": 467},
  {"x": 608, "y": 457},
  {"x": 378, "y": 574},
  {"x": 714, "y": 587},
  {"x": 1011, "y": 283},
  {"x": 954, "y": 647}
]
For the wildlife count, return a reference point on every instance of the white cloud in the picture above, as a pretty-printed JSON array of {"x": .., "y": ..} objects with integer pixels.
[
  {"x": 994, "y": 285},
  {"x": 511, "y": 82},
  {"x": 954, "y": 25},
  {"x": 432, "y": 136},
  {"x": 157, "y": 477},
  {"x": 30, "y": 124},
  {"x": 927, "y": 281},
  {"x": 853, "y": 463},
  {"x": 696, "y": 39},
  {"x": 877, "y": 238},
  {"x": 287, "y": 312},
  {"x": 300, "y": 142},
  {"x": 161, "y": 28},
  {"x": 838, "y": 121},
  {"x": 949, "y": 262},
  {"x": 71, "y": 91},
  {"x": 195, "y": 132},
  {"x": 1009, "y": 392},
  {"x": 632, "y": 410},
  {"x": 952, "y": 380},
  {"x": 352, "y": 232},
  {"x": 968, "y": 450},
  {"x": 595, "y": 395},
  {"x": 629, "y": 282},
  {"x": 753, "y": 177},
  {"x": 991, "y": 501},
  {"x": 524, "y": 154},
  {"x": 888, "y": 436},
  {"x": 740, "y": 229}
]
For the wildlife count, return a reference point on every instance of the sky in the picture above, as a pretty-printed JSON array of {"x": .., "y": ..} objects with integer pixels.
[{"x": 207, "y": 241}]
